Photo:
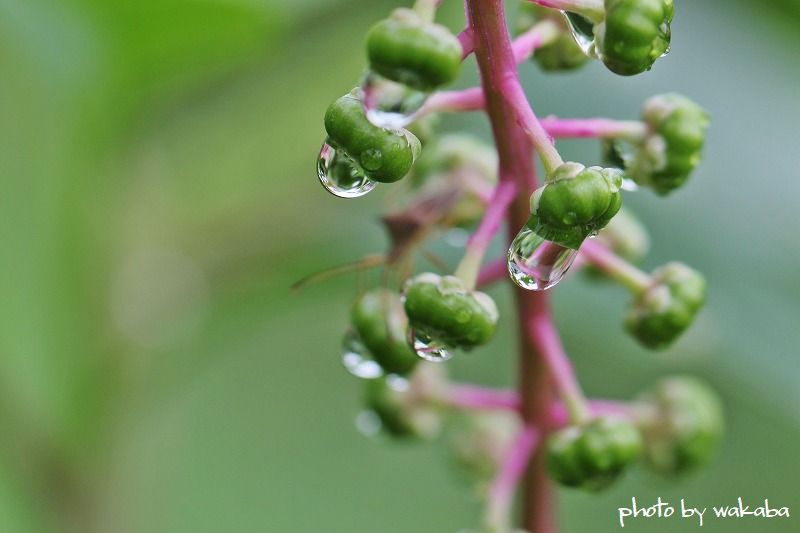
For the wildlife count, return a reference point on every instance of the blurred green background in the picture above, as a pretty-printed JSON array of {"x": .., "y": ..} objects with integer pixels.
[{"x": 158, "y": 198}]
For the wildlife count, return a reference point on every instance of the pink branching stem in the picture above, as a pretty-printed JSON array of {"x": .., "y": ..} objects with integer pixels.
[
  {"x": 619, "y": 269},
  {"x": 492, "y": 272},
  {"x": 560, "y": 414},
  {"x": 545, "y": 336},
  {"x": 582, "y": 128},
  {"x": 478, "y": 397},
  {"x": 501, "y": 492},
  {"x": 467, "y": 40},
  {"x": 498, "y": 71},
  {"x": 526, "y": 43}
]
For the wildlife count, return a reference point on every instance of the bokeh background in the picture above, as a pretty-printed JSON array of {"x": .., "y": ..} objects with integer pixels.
[{"x": 158, "y": 198}]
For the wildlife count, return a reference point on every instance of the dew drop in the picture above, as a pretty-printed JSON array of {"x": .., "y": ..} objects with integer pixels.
[
  {"x": 582, "y": 30},
  {"x": 427, "y": 348},
  {"x": 340, "y": 175},
  {"x": 389, "y": 104},
  {"x": 357, "y": 359},
  {"x": 535, "y": 263},
  {"x": 368, "y": 423}
]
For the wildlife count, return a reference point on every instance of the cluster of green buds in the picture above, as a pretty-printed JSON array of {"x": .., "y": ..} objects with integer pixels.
[
  {"x": 445, "y": 314},
  {"x": 576, "y": 202},
  {"x": 681, "y": 423},
  {"x": 664, "y": 309},
  {"x": 594, "y": 454}
]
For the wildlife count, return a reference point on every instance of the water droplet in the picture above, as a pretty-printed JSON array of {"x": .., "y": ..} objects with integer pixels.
[
  {"x": 535, "y": 263},
  {"x": 389, "y": 104},
  {"x": 357, "y": 359},
  {"x": 582, "y": 30},
  {"x": 340, "y": 175},
  {"x": 368, "y": 423},
  {"x": 427, "y": 348}
]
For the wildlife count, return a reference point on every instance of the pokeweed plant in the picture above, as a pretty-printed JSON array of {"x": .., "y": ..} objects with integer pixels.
[{"x": 383, "y": 131}]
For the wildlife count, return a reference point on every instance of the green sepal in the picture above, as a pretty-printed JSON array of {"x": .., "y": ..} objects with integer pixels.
[
  {"x": 445, "y": 310},
  {"x": 634, "y": 34},
  {"x": 417, "y": 53},
  {"x": 383, "y": 155},
  {"x": 381, "y": 323},
  {"x": 662, "y": 312},
  {"x": 682, "y": 425},
  {"x": 594, "y": 455}
]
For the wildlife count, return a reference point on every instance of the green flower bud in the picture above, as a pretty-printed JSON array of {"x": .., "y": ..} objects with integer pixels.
[
  {"x": 634, "y": 34},
  {"x": 404, "y": 406},
  {"x": 384, "y": 155},
  {"x": 381, "y": 323},
  {"x": 562, "y": 52},
  {"x": 682, "y": 426},
  {"x": 662, "y": 312},
  {"x": 674, "y": 147},
  {"x": 417, "y": 53},
  {"x": 594, "y": 455},
  {"x": 576, "y": 202},
  {"x": 443, "y": 309},
  {"x": 480, "y": 442}
]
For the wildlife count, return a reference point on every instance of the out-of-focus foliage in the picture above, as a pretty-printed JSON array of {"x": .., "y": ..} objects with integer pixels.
[{"x": 157, "y": 198}]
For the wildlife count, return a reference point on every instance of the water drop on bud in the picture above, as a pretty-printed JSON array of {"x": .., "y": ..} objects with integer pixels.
[
  {"x": 427, "y": 348},
  {"x": 340, "y": 175},
  {"x": 356, "y": 358},
  {"x": 389, "y": 104},
  {"x": 582, "y": 30},
  {"x": 535, "y": 263}
]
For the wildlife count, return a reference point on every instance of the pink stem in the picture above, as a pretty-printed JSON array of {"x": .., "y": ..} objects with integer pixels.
[
  {"x": 492, "y": 272},
  {"x": 478, "y": 397},
  {"x": 613, "y": 265},
  {"x": 504, "y": 194},
  {"x": 582, "y": 128},
  {"x": 467, "y": 40},
  {"x": 501, "y": 492},
  {"x": 560, "y": 414}
]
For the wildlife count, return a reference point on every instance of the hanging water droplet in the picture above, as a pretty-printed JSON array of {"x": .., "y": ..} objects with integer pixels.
[
  {"x": 357, "y": 359},
  {"x": 427, "y": 348},
  {"x": 368, "y": 423},
  {"x": 535, "y": 263},
  {"x": 582, "y": 30},
  {"x": 389, "y": 104},
  {"x": 340, "y": 175}
]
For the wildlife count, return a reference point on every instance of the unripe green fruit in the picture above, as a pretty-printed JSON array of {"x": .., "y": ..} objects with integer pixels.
[
  {"x": 384, "y": 155},
  {"x": 674, "y": 147},
  {"x": 594, "y": 455},
  {"x": 662, "y": 312},
  {"x": 381, "y": 323},
  {"x": 387, "y": 404},
  {"x": 634, "y": 34},
  {"x": 683, "y": 425},
  {"x": 576, "y": 202},
  {"x": 562, "y": 53},
  {"x": 480, "y": 441},
  {"x": 443, "y": 309},
  {"x": 420, "y": 54}
]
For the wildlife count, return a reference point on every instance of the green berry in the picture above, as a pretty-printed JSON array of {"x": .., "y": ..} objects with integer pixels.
[
  {"x": 576, "y": 202},
  {"x": 559, "y": 54},
  {"x": 420, "y": 54},
  {"x": 683, "y": 426},
  {"x": 443, "y": 309},
  {"x": 384, "y": 155},
  {"x": 381, "y": 323},
  {"x": 662, "y": 312},
  {"x": 594, "y": 455},
  {"x": 480, "y": 441},
  {"x": 634, "y": 34},
  {"x": 674, "y": 147}
]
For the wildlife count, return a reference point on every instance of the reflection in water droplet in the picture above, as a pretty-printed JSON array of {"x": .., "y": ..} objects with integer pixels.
[
  {"x": 535, "y": 263},
  {"x": 340, "y": 175},
  {"x": 583, "y": 31},
  {"x": 427, "y": 348},
  {"x": 389, "y": 104},
  {"x": 368, "y": 423},
  {"x": 357, "y": 359}
]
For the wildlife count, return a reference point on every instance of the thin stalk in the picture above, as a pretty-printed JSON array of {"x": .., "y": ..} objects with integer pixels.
[
  {"x": 594, "y": 10},
  {"x": 601, "y": 128},
  {"x": 498, "y": 71},
  {"x": 632, "y": 278},
  {"x": 426, "y": 9}
]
